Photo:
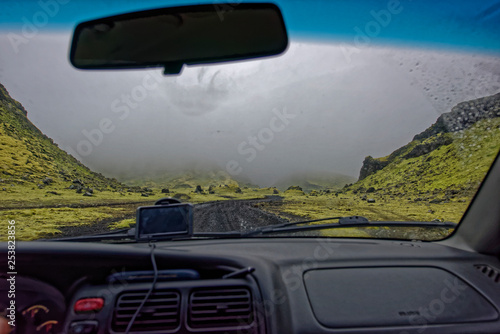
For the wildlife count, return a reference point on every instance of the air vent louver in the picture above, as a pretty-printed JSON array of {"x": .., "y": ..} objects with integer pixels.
[
  {"x": 221, "y": 308},
  {"x": 160, "y": 313},
  {"x": 492, "y": 273}
]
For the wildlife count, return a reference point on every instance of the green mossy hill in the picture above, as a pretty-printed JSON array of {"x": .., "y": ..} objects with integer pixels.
[
  {"x": 461, "y": 117},
  {"x": 446, "y": 162},
  {"x": 317, "y": 181},
  {"x": 184, "y": 180},
  {"x": 29, "y": 156}
]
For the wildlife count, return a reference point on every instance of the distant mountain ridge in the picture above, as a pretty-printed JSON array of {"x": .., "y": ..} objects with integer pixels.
[
  {"x": 28, "y": 155},
  {"x": 188, "y": 178},
  {"x": 309, "y": 181},
  {"x": 452, "y": 155}
]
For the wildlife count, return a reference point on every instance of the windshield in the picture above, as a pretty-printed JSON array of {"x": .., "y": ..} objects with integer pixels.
[{"x": 386, "y": 110}]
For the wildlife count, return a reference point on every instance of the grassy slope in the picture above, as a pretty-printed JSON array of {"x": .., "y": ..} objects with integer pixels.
[
  {"x": 27, "y": 156},
  {"x": 437, "y": 185},
  {"x": 455, "y": 169},
  {"x": 27, "y": 159}
]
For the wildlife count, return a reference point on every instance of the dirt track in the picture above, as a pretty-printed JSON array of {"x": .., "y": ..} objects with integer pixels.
[
  {"x": 244, "y": 215},
  {"x": 239, "y": 215},
  {"x": 223, "y": 216}
]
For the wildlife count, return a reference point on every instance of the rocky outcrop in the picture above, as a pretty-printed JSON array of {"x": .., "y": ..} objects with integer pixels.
[
  {"x": 370, "y": 166},
  {"x": 464, "y": 115},
  {"x": 461, "y": 117},
  {"x": 10, "y": 103},
  {"x": 425, "y": 148}
]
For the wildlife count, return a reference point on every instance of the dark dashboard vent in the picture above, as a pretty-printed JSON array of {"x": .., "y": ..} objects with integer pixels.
[
  {"x": 228, "y": 308},
  {"x": 161, "y": 312},
  {"x": 490, "y": 272}
]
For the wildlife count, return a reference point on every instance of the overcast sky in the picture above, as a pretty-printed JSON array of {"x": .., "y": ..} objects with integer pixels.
[{"x": 319, "y": 107}]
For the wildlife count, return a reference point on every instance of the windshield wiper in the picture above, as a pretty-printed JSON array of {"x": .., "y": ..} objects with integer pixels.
[
  {"x": 343, "y": 222},
  {"x": 129, "y": 235},
  {"x": 115, "y": 235}
]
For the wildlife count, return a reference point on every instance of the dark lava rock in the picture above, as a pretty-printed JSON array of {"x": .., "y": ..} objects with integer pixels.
[
  {"x": 463, "y": 116},
  {"x": 182, "y": 186},
  {"x": 370, "y": 166},
  {"x": 182, "y": 197},
  {"x": 53, "y": 193},
  {"x": 425, "y": 148}
]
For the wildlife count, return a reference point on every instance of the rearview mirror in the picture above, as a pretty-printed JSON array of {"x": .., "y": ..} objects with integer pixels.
[
  {"x": 172, "y": 37},
  {"x": 164, "y": 221}
]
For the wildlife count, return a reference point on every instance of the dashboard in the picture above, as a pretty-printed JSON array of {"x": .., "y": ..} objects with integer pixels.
[{"x": 260, "y": 285}]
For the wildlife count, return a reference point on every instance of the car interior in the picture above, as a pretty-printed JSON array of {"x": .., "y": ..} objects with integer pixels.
[{"x": 171, "y": 279}]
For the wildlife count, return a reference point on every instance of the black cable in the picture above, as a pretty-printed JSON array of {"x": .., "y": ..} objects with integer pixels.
[{"x": 153, "y": 260}]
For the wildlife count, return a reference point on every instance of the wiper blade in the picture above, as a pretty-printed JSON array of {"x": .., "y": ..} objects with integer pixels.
[
  {"x": 343, "y": 222},
  {"x": 270, "y": 228},
  {"x": 130, "y": 234},
  {"x": 115, "y": 235}
]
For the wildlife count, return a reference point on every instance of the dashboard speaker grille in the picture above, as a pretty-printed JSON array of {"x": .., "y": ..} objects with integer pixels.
[
  {"x": 490, "y": 272},
  {"x": 221, "y": 308},
  {"x": 160, "y": 313}
]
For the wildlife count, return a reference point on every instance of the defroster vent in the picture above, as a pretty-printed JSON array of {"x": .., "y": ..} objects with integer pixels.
[{"x": 490, "y": 272}]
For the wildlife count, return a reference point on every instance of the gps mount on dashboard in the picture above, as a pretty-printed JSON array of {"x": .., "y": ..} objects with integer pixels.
[{"x": 167, "y": 219}]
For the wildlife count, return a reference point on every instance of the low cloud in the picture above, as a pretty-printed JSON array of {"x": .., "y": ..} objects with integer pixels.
[{"x": 343, "y": 111}]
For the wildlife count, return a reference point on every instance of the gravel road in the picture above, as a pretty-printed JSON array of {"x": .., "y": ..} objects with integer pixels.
[
  {"x": 221, "y": 216},
  {"x": 240, "y": 215},
  {"x": 244, "y": 215}
]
